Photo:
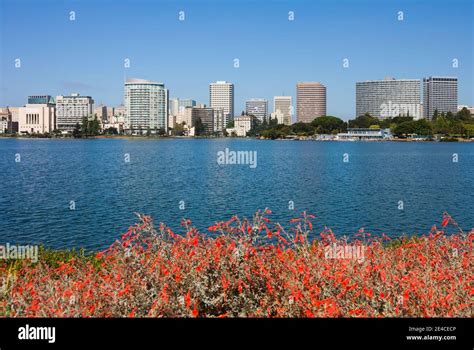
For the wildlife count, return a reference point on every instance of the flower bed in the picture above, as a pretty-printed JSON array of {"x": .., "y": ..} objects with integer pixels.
[{"x": 249, "y": 268}]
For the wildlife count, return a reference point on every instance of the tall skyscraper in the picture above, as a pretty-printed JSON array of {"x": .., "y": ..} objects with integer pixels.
[
  {"x": 173, "y": 106},
  {"x": 70, "y": 110},
  {"x": 310, "y": 101},
  {"x": 257, "y": 107},
  {"x": 221, "y": 95},
  {"x": 389, "y": 98},
  {"x": 177, "y": 105},
  {"x": 282, "y": 106},
  {"x": 146, "y": 106},
  {"x": 441, "y": 94}
]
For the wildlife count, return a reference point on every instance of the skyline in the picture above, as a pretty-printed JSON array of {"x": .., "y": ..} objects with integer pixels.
[{"x": 198, "y": 51}]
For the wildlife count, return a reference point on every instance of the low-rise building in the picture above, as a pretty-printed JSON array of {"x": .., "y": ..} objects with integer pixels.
[
  {"x": 243, "y": 124},
  {"x": 38, "y": 116},
  {"x": 367, "y": 134}
]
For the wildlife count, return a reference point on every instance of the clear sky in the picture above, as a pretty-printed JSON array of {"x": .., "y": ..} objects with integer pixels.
[{"x": 59, "y": 56}]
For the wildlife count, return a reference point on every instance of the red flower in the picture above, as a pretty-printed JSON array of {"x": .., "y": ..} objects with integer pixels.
[{"x": 195, "y": 311}]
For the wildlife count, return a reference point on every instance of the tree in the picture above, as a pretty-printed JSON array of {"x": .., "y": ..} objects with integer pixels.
[
  {"x": 76, "y": 133},
  {"x": 363, "y": 121},
  {"x": 328, "y": 125},
  {"x": 199, "y": 127},
  {"x": 301, "y": 128},
  {"x": 94, "y": 127},
  {"x": 85, "y": 126},
  {"x": 464, "y": 115}
]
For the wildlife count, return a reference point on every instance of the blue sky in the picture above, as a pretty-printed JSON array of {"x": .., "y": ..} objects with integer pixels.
[{"x": 59, "y": 56}]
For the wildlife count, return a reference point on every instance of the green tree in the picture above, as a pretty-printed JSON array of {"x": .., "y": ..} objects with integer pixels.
[
  {"x": 363, "y": 121},
  {"x": 199, "y": 127},
  {"x": 76, "y": 132},
  {"x": 328, "y": 125}
]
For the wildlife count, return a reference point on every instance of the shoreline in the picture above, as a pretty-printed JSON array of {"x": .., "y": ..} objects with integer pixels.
[{"x": 301, "y": 138}]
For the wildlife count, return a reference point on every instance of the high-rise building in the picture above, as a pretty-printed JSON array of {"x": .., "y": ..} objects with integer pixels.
[
  {"x": 389, "y": 98},
  {"x": 441, "y": 94},
  {"x": 257, "y": 107},
  {"x": 205, "y": 114},
  {"x": 110, "y": 113},
  {"x": 70, "y": 110},
  {"x": 146, "y": 106},
  {"x": 38, "y": 116},
  {"x": 178, "y": 105},
  {"x": 221, "y": 95},
  {"x": 282, "y": 105},
  {"x": 101, "y": 113},
  {"x": 310, "y": 101}
]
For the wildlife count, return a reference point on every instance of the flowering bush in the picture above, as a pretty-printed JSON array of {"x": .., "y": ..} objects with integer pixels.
[{"x": 249, "y": 268}]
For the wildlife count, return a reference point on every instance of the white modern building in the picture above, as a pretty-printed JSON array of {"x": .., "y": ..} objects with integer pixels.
[
  {"x": 389, "y": 98},
  {"x": 282, "y": 107},
  {"x": 3, "y": 124},
  {"x": 364, "y": 134},
  {"x": 70, "y": 110},
  {"x": 37, "y": 118},
  {"x": 440, "y": 94},
  {"x": 146, "y": 106},
  {"x": 221, "y": 96},
  {"x": 243, "y": 124},
  {"x": 257, "y": 107}
]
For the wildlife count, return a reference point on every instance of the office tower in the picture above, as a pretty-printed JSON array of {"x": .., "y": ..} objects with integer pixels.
[
  {"x": 221, "y": 95},
  {"x": 282, "y": 105},
  {"x": 146, "y": 106},
  {"x": 389, "y": 98},
  {"x": 441, "y": 94},
  {"x": 101, "y": 113},
  {"x": 257, "y": 107},
  {"x": 310, "y": 101},
  {"x": 206, "y": 114},
  {"x": 70, "y": 110},
  {"x": 173, "y": 106}
]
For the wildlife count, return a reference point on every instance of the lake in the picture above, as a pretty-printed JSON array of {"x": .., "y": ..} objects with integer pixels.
[{"x": 389, "y": 187}]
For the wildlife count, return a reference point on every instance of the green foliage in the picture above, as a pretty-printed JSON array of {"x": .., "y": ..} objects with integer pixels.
[
  {"x": 328, "y": 125},
  {"x": 420, "y": 127},
  {"x": 199, "y": 126}
]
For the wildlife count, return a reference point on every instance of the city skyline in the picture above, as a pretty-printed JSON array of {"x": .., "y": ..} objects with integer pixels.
[{"x": 58, "y": 66}]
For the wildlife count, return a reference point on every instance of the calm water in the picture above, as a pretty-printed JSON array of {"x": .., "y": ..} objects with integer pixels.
[{"x": 365, "y": 192}]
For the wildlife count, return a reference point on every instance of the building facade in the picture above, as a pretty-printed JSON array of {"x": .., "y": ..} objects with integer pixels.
[
  {"x": 101, "y": 113},
  {"x": 310, "y": 101},
  {"x": 70, "y": 110},
  {"x": 257, "y": 107},
  {"x": 146, "y": 106},
  {"x": 221, "y": 96},
  {"x": 389, "y": 98},
  {"x": 38, "y": 116},
  {"x": 440, "y": 94},
  {"x": 282, "y": 105},
  {"x": 243, "y": 124}
]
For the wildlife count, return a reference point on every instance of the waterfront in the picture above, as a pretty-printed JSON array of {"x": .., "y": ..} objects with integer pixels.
[{"x": 162, "y": 175}]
